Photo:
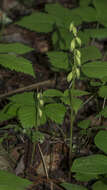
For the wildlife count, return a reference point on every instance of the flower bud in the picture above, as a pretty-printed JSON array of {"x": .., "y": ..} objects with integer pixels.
[
  {"x": 78, "y": 60},
  {"x": 78, "y": 73},
  {"x": 40, "y": 112},
  {"x": 78, "y": 41},
  {"x": 41, "y": 102},
  {"x": 74, "y": 31},
  {"x": 78, "y": 53},
  {"x": 71, "y": 27},
  {"x": 39, "y": 95},
  {"x": 70, "y": 76},
  {"x": 72, "y": 46}
]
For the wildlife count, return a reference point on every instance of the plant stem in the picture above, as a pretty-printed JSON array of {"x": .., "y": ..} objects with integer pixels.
[{"x": 72, "y": 117}]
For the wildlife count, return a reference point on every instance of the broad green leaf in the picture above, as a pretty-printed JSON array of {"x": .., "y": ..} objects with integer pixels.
[
  {"x": 101, "y": 140},
  {"x": 103, "y": 91},
  {"x": 90, "y": 165},
  {"x": 17, "y": 48},
  {"x": 52, "y": 93},
  {"x": 59, "y": 59},
  {"x": 99, "y": 185},
  {"x": 93, "y": 83},
  {"x": 65, "y": 15},
  {"x": 24, "y": 99},
  {"x": 84, "y": 177},
  {"x": 39, "y": 22},
  {"x": 100, "y": 33},
  {"x": 76, "y": 92},
  {"x": 84, "y": 124},
  {"x": 16, "y": 63},
  {"x": 87, "y": 14},
  {"x": 85, "y": 37},
  {"x": 77, "y": 103},
  {"x": 96, "y": 69},
  {"x": 55, "y": 112},
  {"x": 90, "y": 53},
  {"x": 101, "y": 11},
  {"x": 27, "y": 116},
  {"x": 70, "y": 186},
  {"x": 9, "y": 181}
]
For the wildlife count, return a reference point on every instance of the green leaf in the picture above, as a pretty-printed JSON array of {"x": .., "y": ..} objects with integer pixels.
[
  {"x": 9, "y": 181},
  {"x": 69, "y": 186},
  {"x": 101, "y": 140},
  {"x": 84, "y": 124},
  {"x": 16, "y": 63},
  {"x": 101, "y": 11},
  {"x": 87, "y": 14},
  {"x": 76, "y": 92},
  {"x": 17, "y": 48},
  {"x": 55, "y": 112},
  {"x": 59, "y": 59},
  {"x": 84, "y": 177},
  {"x": 65, "y": 15},
  {"x": 24, "y": 99},
  {"x": 39, "y": 22},
  {"x": 100, "y": 33},
  {"x": 99, "y": 185},
  {"x": 27, "y": 116},
  {"x": 85, "y": 37},
  {"x": 90, "y": 53},
  {"x": 52, "y": 93},
  {"x": 92, "y": 165},
  {"x": 96, "y": 69},
  {"x": 103, "y": 91}
]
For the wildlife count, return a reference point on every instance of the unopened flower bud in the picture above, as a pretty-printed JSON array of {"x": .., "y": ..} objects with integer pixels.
[
  {"x": 40, "y": 112},
  {"x": 70, "y": 76},
  {"x": 78, "y": 73},
  {"x": 41, "y": 102},
  {"x": 78, "y": 41},
  {"x": 74, "y": 31},
  {"x": 72, "y": 46},
  {"x": 71, "y": 27},
  {"x": 39, "y": 95},
  {"x": 78, "y": 60},
  {"x": 78, "y": 53}
]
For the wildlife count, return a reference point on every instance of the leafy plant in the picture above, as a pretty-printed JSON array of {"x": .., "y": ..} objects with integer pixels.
[{"x": 34, "y": 109}]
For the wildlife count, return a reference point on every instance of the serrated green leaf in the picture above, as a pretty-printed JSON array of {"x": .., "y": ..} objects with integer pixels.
[
  {"x": 9, "y": 181},
  {"x": 76, "y": 92},
  {"x": 101, "y": 140},
  {"x": 52, "y": 93},
  {"x": 17, "y": 48},
  {"x": 90, "y": 53},
  {"x": 103, "y": 91},
  {"x": 59, "y": 59},
  {"x": 55, "y": 112},
  {"x": 96, "y": 69},
  {"x": 69, "y": 186},
  {"x": 27, "y": 116},
  {"x": 24, "y": 99},
  {"x": 99, "y": 185},
  {"x": 39, "y": 22},
  {"x": 16, "y": 63},
  {"x": 94, "y": 164}
]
